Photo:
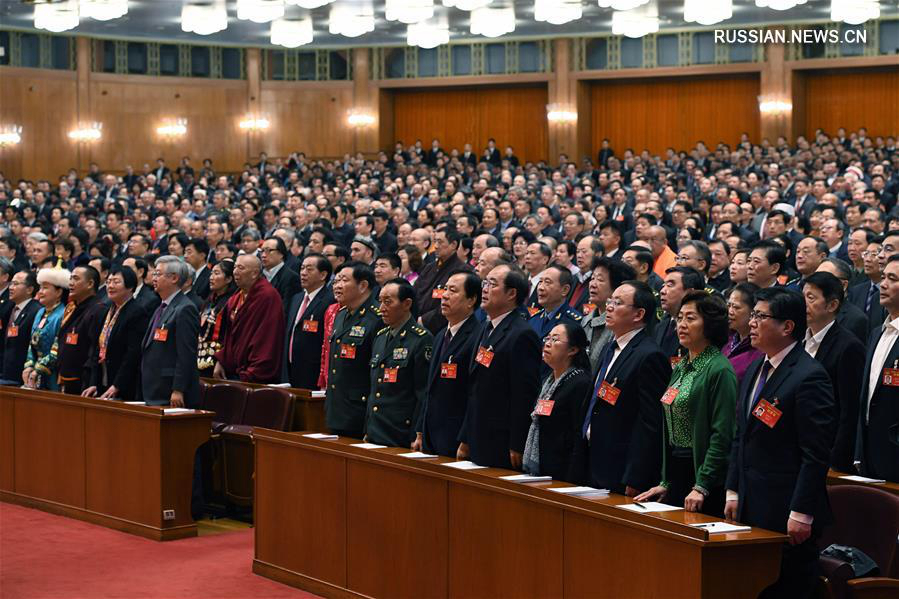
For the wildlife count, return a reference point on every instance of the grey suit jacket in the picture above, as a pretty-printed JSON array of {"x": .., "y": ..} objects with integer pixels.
[{"x": 171, "y": 365}]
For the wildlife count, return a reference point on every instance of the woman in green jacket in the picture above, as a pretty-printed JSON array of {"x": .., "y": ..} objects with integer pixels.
[{"x": 699, "y": 411}]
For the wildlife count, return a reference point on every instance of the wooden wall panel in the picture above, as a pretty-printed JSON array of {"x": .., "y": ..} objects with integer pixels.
[
  {"x": 308, "y": 117},
  {"x": 132, "y": 107},
  {"x": 515, "y": 116},
  {"x": 44, "y": 104},
  {"x": 858, "y": 98},
  {"x": 674, "y": 112}
]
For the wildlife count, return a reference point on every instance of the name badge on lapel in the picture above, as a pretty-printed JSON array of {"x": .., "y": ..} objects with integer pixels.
[
  {"x": 448, "y": 370},
  {"x": 347, "y": 352},
  {"x": 390, "y": 374},
  {"x": 12, "y": 331},
  {"x": 357, "y": 331},
  {"x": 161, "y": 335},
  {"x": 675, "y": 360},
  {"x": 484, "y": 356},
  {"x": 310, "y": 326},
  {"x": 669, "y": 395},
  {"x": 609, "y": 392},
  {"x": 891, "y": 377},
  {"x": 588, "y": 307},
  {"x": 767, "y": 413},
  {"x": 544, "y": 407},
  {"x": 71, "y": 338},
  {"x": 437, "y": 293}
]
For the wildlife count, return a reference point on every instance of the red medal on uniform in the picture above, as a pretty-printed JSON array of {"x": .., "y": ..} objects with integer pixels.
[
  {"x": 448, "y": 371},
  {"x": 891, "y": 377},
  {"x": 767, "y": 413},
  {"x": 347, "y": 351},
  {"x": 669, "y": 395},
  {"x": 484, "y": 357},
  {"x": 71, "y": 338},
  {"x": 390, "y": 374},
  {"x": 310, "y": 326},
  {"x": 544, "y": 407},
  {"x": 12, "y": 331},
  {"x": 160, "y": 335},
  {"x": 608, "y": 393}
]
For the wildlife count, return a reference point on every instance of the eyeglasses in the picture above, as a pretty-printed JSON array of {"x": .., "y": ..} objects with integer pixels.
[
  {"x": 487, "y": 284},
  {"x": 614, "y": 302},
  {"x": 553, "y": 340},
  {"x": 756, "y": 315},
  {"x": 869, "y": 254}
]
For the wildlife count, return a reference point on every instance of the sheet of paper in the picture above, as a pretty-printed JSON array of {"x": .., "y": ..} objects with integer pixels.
[
  {"x": 319, "y": 436},
  {"x": 862, "y": 479},
  {"x": 135, "y": 403},
  {"x": 318, "y": 393},
  {"x": 646, "y": 507},
  {"x": 526, "y": 478},
  {"x": 417, "y": 455},
  {"x": 279, "y": 385},
  {"x": 177, "y": 410},
  {"x": 464, "y": 465},
  {"x": 580, "y": 491},
  {"x": 721, "y": 527},
  {"x": 368, "y": 446}
]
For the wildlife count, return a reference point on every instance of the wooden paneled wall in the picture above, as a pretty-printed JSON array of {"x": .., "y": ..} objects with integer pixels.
[
  {"x": 676, "y": 112},
  {"x": 859, "y": 98},
  {"x": 514, "y": 116}
]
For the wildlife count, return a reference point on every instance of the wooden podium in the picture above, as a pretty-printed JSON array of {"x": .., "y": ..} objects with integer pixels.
[
  {"x": 342, "y": 521},
  {"x": 124, "y": 466}
]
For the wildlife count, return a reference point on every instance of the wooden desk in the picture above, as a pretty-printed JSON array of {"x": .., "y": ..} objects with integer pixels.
[
  {"x": 341, "y": 521},
  {"x": 105, "y": 462},
  {"x": 308, "y": 412},
  {"x": 833, "y": 478}
]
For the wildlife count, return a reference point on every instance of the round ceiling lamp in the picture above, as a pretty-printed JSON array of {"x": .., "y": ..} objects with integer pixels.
[
  {"x": 558, "y": 12},
  {"x": 408, "y": 11},
  {"x": 260, "y": 11},
  {"x": 854, "y": 12},
  {"x": 351, "y": 19},
  {"x": 621, "y": 4},
  {"x": 492, "y": 22},
  {"x": 103, "y": 10},
  {"x": 708, "y": 12},
  {"x": 779, "y": 4},
  {"x": 428, "y": 34},
  {"x": 291, "y": 33},
  {"x": 56, "y": 17},
  {"x": 204, "y": 18},
  {"x": 636, "y": 22}
]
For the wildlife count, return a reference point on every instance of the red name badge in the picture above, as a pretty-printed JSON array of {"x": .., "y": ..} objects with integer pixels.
[
  {"x": 675, "y": 360},
  {"x": 669, "y": 395},
  {"x": 544, "y": 407},
  {"x": 533, "y": 310},
  {"x": 347, "y": 351},
  {"x": 890, "y": 377},
  {"x": 12, "y": 331},
  {"x": 608, "y": 393},
  {"x": 587, "y": 308},
  {"x": 71, "y": 338},
  {"x": 484, "y": 357},
  {"x": 310, "y": 326},
  {"x": 437, "y": 293},
  {"x": 160, "y": 335},
  {"x": 448, "y": 371},
  {"x": 390, "y": 374},
  {"x": 767, "y": 413}
]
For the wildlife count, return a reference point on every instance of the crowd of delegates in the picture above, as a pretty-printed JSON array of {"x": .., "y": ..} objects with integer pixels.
[{"x": 713, "y": 328}]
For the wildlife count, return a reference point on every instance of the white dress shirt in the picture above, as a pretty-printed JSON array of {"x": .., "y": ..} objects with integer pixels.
[
  {"x": 813, "y": 342},
  {"x": 878, "y": 360}
]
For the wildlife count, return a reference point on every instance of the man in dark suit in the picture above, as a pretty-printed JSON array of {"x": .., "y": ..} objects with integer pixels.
[
  {"x": 7, "y": 270},
  {"x": 786, "y": 422},
  {"x": 115, "y": 358},
  {"x": 622, "y": 429},
  {"x": 17, "y": 328},
  {"x": 306, "y": 324},
  {"x": 503, "y": 376},
  {"x": 678, "y": 281},
  {"x": 866, "y": 296},
  {"x": 849, "y": 317},
  {"x": 169, "y": 375},
  {"x": 79, "y": 330},
  {"x": 433, "y": 277},
  {"x": 144, "y": 294},
  {"x": 195, "y": 254},
  {"x": 285, "y": 281},
  {"x": 876, "y": 452},
  {"x": 841, "y": 355},
  {"x": 834, "y": 235},
  {"x": 437, "y": 431}
]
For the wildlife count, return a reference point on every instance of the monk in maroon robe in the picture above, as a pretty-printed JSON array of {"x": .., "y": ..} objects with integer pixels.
[{"x": 254, "y": 342}]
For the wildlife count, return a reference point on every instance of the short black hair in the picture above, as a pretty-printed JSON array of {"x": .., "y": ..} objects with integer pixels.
[
  {"x": 472, "y": 287},
  {"x": 830, "y": 286},
  {"x": 690, "y": 278},
  {"x": 713, "y": 310},
  {"x": 360, "y": 271},
  {"x": 404, "y": 291},
  {"x": 128, "y": 276},
  {"x": 641, "y": 255},
  {"x": 774, "y": 253},
  {"x": 322, "y": 264},
  {"x": 747, "y": 290},
  {"x": 785, "y": 304},
  {"x": 619, "y": 271},
  {"x": 200, "y": 245},
  {"x": 644, "y": 299},
  {"x": 703, "y": 250},
  {"x": 31, "y": 282},
  {"x": 392, "y": 258},
  {"x": 92, "y": 274},
  {"x": 516, "y": 279},
  {"x": 565, "y": 276}
]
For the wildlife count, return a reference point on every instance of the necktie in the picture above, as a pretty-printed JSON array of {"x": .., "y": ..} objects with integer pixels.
[
  {"x": 487, "y": 330},
  {"x": 872, "y": 296},
  {"x": 13, "y": 316},
  {"x": 156, "y": 318},
  {"x": 607, "y": 355},
  {"x": 294, "y": 328},
  {"x": 444, "y": 351},
  {"x": 763, "y": 378}
]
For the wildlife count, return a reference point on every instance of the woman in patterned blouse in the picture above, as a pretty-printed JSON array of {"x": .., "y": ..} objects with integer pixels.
[{"x": 40, "y": 364}]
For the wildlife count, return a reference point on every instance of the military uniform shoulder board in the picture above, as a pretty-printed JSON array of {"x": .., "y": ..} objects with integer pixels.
[
  {"x": 418, "y": 330},
  {"x": 384, "y": 330},
  {"x": 575, "y": 315}
]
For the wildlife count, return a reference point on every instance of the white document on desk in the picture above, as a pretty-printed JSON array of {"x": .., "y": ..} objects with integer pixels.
[
  {"x": 318, "y": 393},
  {"x": 368, "y": 446},
  {"x": 177, "y": 410},
  {"x": 578, "y": 491},
  {"x": 319, "y": 436},
  {"x": 646, "y": 507},
  {"x": 417, "y": 455},
  {"x": 464, "y": 465},
  {"x": 863, "y": 479},
  {"x": 721, "y": 527},
  {"x": 526, "y": 478}
]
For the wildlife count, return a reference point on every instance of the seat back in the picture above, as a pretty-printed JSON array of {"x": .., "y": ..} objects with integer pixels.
[
  {"x": 865, "y": 518},
  {"x": 204, "y": 387},
  {"x": 227, "y": 400},
  {"x": 269, "y": 408}
]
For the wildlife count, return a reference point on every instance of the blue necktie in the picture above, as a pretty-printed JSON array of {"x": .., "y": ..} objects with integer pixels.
[
  {"x": 607, "y": 354},
  {"x": 763, "y": 378},
  {"x": 872, "y": 295}
]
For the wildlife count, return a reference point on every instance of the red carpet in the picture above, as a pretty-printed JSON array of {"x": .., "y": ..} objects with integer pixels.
[{"x": 47, "y": 556}]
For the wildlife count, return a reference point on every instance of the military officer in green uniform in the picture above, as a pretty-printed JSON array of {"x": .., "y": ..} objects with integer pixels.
[
  {"x": 350, "y": 346},
  {"x": 399, "y": 369}
]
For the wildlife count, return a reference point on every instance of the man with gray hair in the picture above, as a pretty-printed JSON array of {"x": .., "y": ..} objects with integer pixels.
[{"x": 169, "y": 375}]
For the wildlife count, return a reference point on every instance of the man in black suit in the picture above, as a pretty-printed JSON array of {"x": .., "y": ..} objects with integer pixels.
[
  {"x": 115, "y": 358},
  {"x": 169, "y": 375},
  {"x": 866, "y": 296},
  {"x": 144, "y": 294},
  {"x": 195, "y": 253},
  {"x": 437, "y": 431},
  {"x": 17, "y": 328},
  {"x": 849, "y": 316},
  {"x": 491, "y": 153},
  {"x": 876, "y": 452},
  {"x": 433, "y": 277},
  {"x": 79, "y": 330},
  {"x": 7, "y": 270},
  {"x": 306, "y": 324},
  {"x": 678, "y": 281},
  {"x": 841, "y": 355},
  {"x": 786, "y": 421},
  {"x": 285, "y": 281},
  {"x": 622, "y": 429},
  {"x": 503, "y": 376}
]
